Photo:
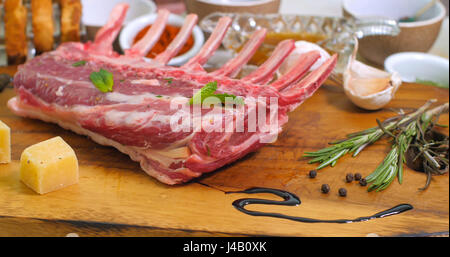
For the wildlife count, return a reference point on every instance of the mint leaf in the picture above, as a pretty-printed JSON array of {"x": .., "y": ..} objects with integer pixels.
[
  {"x": 169, "y": 80},
  {"x": 103, "y": 80},
  {"x": 239, "y": 101},
  {"x": 79, "y": 63},
  {"x": 236, "y": 100},
  {"x": 204, "y": 92},
  {"x": 209, "y": 90},
  {"x": 107, "y": 77}
]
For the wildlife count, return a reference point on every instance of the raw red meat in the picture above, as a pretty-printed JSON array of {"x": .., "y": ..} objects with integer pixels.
[{"x": 136, "y": 116}]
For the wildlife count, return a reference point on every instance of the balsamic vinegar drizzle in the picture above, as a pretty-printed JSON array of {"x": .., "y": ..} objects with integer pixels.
[{"x": 293, "y": 200}]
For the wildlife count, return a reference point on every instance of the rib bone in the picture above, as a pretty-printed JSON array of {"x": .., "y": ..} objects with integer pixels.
[
  {"x": 265, "y": 72},
  {"x": 108, "y": 33},
  {"x": 145, "y": 44},
  {"x": 234, "y": 66},
  {"x": 211, "y": 45},
  {"x": 178, "y": 42}
]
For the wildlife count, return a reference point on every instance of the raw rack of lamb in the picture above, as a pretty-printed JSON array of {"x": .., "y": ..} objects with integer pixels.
[{"x": 134, "y": 117}]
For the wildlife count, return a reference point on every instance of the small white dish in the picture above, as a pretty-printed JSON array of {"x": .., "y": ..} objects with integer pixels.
[
  {"x": 419, "y": 67},
  {"x": 130, "y": 31}
]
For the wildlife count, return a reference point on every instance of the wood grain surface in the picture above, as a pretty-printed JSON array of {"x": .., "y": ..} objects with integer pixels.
[{"x": 114, "y": 197}]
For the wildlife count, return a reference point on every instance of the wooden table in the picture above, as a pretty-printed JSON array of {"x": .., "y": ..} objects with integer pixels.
[{"x": 114, "y": 197}]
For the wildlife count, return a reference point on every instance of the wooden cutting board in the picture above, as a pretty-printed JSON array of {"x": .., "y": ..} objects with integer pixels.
[{"x": 114, "y": 197}]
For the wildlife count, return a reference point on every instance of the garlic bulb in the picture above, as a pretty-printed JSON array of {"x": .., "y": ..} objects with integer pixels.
[{"x": 368, "y": 87}]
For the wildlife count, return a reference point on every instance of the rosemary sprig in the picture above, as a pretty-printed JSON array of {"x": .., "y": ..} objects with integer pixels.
[
  {"x": 433, "y": 152},
  {"x": 404, "y": 129},
  {"x": 356, "y": 142},
  {"x": 392, "y": 165}
]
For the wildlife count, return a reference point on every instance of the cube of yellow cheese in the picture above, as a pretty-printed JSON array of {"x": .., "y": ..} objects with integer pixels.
[
  {"x": 5, "y": 143},
  {"x": 49, "y": 165}
]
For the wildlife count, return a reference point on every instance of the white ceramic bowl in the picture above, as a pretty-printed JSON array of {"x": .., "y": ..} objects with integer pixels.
[
  {"x": 96, "y": 12},
  {"x": 414, "y": 66},
  {"x": 417, "y": 36},
  {"x": 130, "y": 31},
  {"x": 395, "y": 10}
]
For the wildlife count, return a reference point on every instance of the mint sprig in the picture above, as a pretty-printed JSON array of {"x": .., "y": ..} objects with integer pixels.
[
  {"x": 209, "y": 90},
  {"x": 205, "y": 92},
  {"x": 79, "y": 63},
  {"x": 103, "y": 80},
  {"x": 169, "y": 80},
  {"x": 236, "y": 100}
]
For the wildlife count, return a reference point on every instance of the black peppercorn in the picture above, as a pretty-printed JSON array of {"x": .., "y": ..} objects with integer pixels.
[
  {"x": 342, "y": 192},
  {"x": 363, "y": 182},
  {"x": 349, "y": 177},
  {"x": 312, "y": 173},
  {"x": 358, "y": 176},
  {"x": 325, "y": 188}
]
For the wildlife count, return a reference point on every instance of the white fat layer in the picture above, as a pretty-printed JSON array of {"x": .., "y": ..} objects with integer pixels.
[
  {"x": 136, "y": 118},
  {"x": 59, "y": 91},
  {"x": 128, "y": 118},
  {"x": 134, "y": 62},
  {"x": 140, "y": 98},
  {"x": 150, "y": 82},
  {"x": 63, "y": 80},
  {"x": 163, "y": 159},
  {"x": 136, "y": 153},
  {"x": 130, "y": 99},
  {"x": 161, "y": 118}
]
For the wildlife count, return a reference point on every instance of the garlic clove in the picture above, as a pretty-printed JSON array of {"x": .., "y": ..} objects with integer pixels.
[
  {"x": 374, "y": 101},
  {"x": 371, "y": 86},
  {"x": 368, "y": 87}
]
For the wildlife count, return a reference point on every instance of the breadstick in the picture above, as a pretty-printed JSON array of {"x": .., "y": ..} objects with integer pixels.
[
  {"x": 15, "y": 31},
  {"x": 43, "y": 28},
  {"x": 70, "y": 20}
]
